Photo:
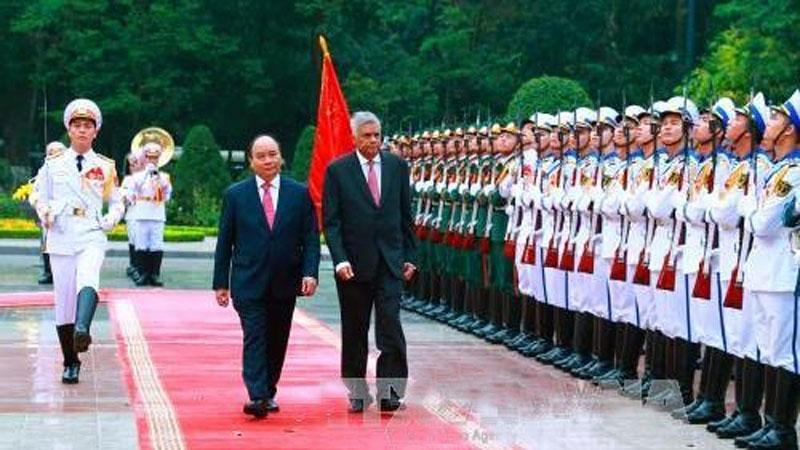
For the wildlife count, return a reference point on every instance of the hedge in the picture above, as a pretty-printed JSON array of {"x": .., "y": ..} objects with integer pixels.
[{"x": 27, "y": 229}]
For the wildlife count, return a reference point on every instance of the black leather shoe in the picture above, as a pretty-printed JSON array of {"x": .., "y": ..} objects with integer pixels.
[
  {"x": 708, "y": 411},
  {"x": 779, "y": 437},
  {"x": 256, "y": 408},
  {"x": 537, "y": 348},
  {"x": 553, "y": 355},
  {"x": 272, "y": 405},
  {"x": 71, "y": 373},
  {"x": 752, "y": 438},
  {"x": 684, "y": 411},
  {"x": 712, "y": 427},
  {"x": 358, "y": 405},
  {"x": 741, "y": 425},
  {"x": 391, "y": 404},
  {"x": 601, "y": 370}
]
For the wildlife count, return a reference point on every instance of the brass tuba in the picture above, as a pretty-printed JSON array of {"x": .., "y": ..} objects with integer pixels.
[{"x": 158, "y": 135}]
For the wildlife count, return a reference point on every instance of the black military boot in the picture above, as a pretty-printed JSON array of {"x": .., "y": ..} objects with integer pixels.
[
  {"x": 581, "y": 343},
  {"x": 705, "y": 376},
  {"x": 544, "y": 331},
  {"x": 527, "y": 327},
  {"x": 481, "y": 310},
  {"x": 610, "y": 336},
  {"x": 72, "y": 365},
  {"x": 142, "y": 275},
  {"x": 782, "y": 435},
  {"x": 494, "y": 311},
  {"x": 424, "y": 292},
  {"x": 506, "y": 329},
  {"x": 155, "y": 268},
  {"x": 87, "y": 304},
  {"x": 131, "y": 264},
  {"x": 747, "y": 418},
  {"x": 47, "y": 272},
  {"x": 713, "y": 407},
  {"x": 444, "y": 299},
  {"x": 738, "y": 375},
  {"x": 770, "y": 382}
]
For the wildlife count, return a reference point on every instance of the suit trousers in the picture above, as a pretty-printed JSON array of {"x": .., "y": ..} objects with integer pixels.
[
  {"x": 356, "y": 300},
  {"x": 266, "y": 323}
]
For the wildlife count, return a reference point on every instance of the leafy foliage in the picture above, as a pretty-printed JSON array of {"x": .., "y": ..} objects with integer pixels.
[
  {"x": 302, "y": 155},
  {"x": 546, "y": 94},
  {"x": 199, "y": 179}
]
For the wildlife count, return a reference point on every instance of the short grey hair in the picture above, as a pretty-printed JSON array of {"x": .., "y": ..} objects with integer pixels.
[{"x": 362, "y": 118}]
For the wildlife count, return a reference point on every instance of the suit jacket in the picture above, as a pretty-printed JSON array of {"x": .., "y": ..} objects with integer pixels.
[
  {"x": 357, "y": 230},
  {"x": 255, "y": 262}
]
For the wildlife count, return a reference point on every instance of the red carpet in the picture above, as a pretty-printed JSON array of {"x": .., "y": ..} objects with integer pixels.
[{"x": 182, "y": 359}]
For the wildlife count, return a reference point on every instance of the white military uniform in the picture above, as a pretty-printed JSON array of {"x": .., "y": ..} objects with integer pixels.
[
  {"x": 660, "y": 205},
  {"x": 770, "y": 274},
  {"x": 526, "y": 273},
  {"x": 640, "y": 172},
  {"x": 738, "y": 329},
  {"x": 152, "y": 190},
  {"x": 621, "y": 298},
  {"x": 588, "y": 290},
  {"x": 71, "y": 203}
]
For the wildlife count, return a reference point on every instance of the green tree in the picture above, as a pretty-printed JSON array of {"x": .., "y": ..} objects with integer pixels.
[
  {"x": 301, "y": 161},
  {"x": 758, "y": 48},
  {"x": 199, "y": 178},
  {"x": 546, "y": 94}
]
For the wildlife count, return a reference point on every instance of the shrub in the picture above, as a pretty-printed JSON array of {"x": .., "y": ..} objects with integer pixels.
[
  {"x": 10, "y": 208},
  {"x": 199, "y": 178},
  {"x": 546, "y": 94}
]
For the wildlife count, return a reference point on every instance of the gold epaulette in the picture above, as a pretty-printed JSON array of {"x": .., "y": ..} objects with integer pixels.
[
  {"x": 55, "y": 154},
  {"x": 105, "y": 158}
]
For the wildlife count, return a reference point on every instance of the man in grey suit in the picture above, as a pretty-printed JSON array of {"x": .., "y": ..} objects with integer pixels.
[{"x": 368, "y": 227}]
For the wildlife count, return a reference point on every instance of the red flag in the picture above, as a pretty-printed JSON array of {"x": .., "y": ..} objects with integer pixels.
[{"x": 333, "y": 136}]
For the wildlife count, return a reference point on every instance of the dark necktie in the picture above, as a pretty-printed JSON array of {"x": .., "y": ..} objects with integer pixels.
[{"x": 79, "y": 158}]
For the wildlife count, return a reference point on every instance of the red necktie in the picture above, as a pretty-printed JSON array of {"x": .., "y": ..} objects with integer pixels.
[
  {"x": 372, "y": 182},
  {"x": 266, "y": 201}
]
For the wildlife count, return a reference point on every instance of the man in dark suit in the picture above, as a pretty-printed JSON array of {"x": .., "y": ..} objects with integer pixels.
[
  {"x": 367, "y": 221},
  {"x": 267, "y": 253}
]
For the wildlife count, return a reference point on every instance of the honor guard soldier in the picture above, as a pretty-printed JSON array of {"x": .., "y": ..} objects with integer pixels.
[
  {"x": 744, "y": 132},
  {"x": 558, "y": 178},
  {"x": 674, "y": 176},
  {"x": 616, "y": 230},
  {"x": 771, "y": 278},
  {"x": 643, "y": 165},
  {"x": 485, "y": 325},
  {"x": 135, "y": 161},
  {"x": 578, "y": 232},
  {"x": 152, "y": 189},
  {"x": 599, "y": 237},
  {"x": 521, "y": 224},
  {"x": 71, "y": 188},
  {"x": 473, "y": 269},
  {"x": 532, "y": 259}
]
